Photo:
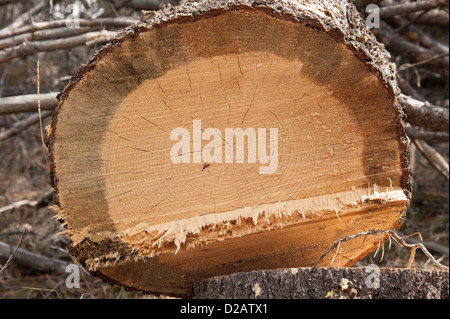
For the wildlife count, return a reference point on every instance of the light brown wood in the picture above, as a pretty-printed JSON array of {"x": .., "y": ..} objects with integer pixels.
[{"x": 339, "y": 167}]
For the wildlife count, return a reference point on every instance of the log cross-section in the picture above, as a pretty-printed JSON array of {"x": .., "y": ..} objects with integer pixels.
[{"x": 228, "y": 136}]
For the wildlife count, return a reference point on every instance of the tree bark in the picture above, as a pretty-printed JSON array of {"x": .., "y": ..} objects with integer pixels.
[{"x": 321, "y": 283}]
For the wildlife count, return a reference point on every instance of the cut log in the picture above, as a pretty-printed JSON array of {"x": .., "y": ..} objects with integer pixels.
[
  {"x": 321, "y": 283},
  {"x": 228, "y": 136}
]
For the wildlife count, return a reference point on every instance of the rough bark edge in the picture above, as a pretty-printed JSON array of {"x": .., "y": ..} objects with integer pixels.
[
  {"x": 347, "y": 28},
  {"x": 321, "y": 283}
]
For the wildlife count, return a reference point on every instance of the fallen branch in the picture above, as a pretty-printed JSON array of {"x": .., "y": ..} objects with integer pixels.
[
  {"x": 18, "y": 204},
  {"x": 338, "y": 243},
  {"x": 424, "y": 114},
  {"x": 414, "y": 247},
  {"x": 399, "y": 240},
  {"x": 22, "y": 125},
  {"x": 399, "y": 46},
  {"x": 34, "y": 261},
  {"x": 10, "y": 259},
  {"x": 144, "y": 4},
  {"x": 428, "y": 244},
  {"x": 433, "y": 157},
  {"x": 24, "y": 17},
  {"x": 44, "y": 200},
  {"x": 432, "y": 17},
  {"x": 27, "y": 103},
  {"x": 405, "y": 8},
  {"x": 30, "y": 48},
  {"x": 43, "y": 35},
  {"x": 408, "y": 89},
  {"x": 407, "y": 66},
  {"x": 412, "y": 31},
  {"x": 101, "y": 22},
  {"x": 417, "y": 134}
]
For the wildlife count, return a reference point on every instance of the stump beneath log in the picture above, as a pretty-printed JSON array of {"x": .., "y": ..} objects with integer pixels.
[{"x": 320, "y": 283}]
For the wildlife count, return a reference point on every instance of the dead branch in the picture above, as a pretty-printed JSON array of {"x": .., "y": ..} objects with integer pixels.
[
  {"x": 22, "y": 125},
  {"x": 399, "y": 240},
  {"x": 362, "y": 4},
  {"x": 24, "y": 17},
  {"x": 432, "y": 17},
  {"x": 38, "y": 26},
  {"x": 415, "y": 34},
  {"x": 10, "y": 259},
  {"x": 336, "y": 243},
  {"x": 399, "y": 46},
  {"x": 414, "y": 247},
  {"x": 44, "y": 200},
  {"x": 408, "y": 89},
  {"x": 407, "y": 66},
  {"x": 405, "y": 8},
  {"x": 27, "y": 103},
  {"x": 433, "y": 157},
  {"x": 424, "y": 114},
  {"x": 418, "y": 134},
  {"x": 428, "y": 244},
  {"x": 144, "y": 4},
  {"x": 30, "y": 48},
  {"x": 42, "y": 35},
  {"x": 18, "y": 204},
  {"x": 31, "y": 260}
]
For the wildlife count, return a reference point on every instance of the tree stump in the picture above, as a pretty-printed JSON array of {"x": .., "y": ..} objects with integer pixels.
[
  {"x": 321, "y": 283},
  {"x": 225, "y": 136}
]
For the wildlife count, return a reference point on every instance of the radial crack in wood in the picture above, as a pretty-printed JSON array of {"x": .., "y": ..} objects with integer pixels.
[{"x": 229, "y": 136}]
